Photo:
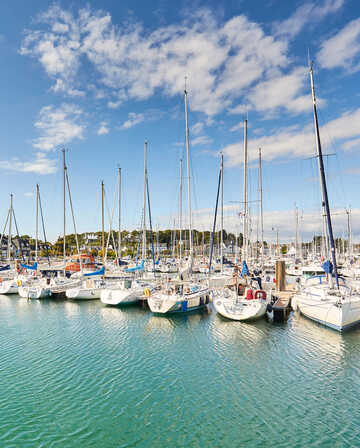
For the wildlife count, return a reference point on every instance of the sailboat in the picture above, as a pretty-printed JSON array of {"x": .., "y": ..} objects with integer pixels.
[
  {"x": 36, "y": 288},
  {"x": 93, "y": 282},
  {"x": 242, "y": 300},
  {"x": 182, "y": 295},
  {"x": 330, "y": 301},
  {"x": 13, "y": 279},
  {"x": 129, "y": 291}
]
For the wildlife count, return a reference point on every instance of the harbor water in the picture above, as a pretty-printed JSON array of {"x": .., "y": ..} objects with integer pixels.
[{"x": 85, "y": 375}]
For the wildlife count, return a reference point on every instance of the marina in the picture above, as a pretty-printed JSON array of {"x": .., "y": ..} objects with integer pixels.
[
  {"x": 180, "y": 224},
  {"x": 104, "y": 376}
]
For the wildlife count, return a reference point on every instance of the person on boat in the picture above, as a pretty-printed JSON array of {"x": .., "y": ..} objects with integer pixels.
[{"x": 256, "y": 277}]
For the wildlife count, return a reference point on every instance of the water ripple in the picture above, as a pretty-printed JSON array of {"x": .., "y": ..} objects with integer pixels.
[{"x": 80, "y": 374}]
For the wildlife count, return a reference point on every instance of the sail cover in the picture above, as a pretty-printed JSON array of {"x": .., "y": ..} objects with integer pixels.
[
  {"x": 245, "y": 269},
  {"x": 328, "y": 267},
  {"x": 99, "y": 272},
  {"x": 139, "y": 267},
  {"x": 26, "y": 266}
]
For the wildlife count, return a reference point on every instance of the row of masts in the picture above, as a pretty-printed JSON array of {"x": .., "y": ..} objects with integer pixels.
[{"x": 327, "y": 231}]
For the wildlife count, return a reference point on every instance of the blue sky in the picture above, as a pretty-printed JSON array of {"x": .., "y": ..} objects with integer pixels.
[{"x": 101, "y": 78}]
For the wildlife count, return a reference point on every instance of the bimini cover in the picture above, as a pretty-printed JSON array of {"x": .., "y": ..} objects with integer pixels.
[
  {"x": 139, "y": 267},
  {"x": 26, "y": 266},
  {"x": 244, "y": 269},
  {"x": 4, "y": 268},
  {"x": 99, "y": 272},
  {"x": 328, "y": 267}
]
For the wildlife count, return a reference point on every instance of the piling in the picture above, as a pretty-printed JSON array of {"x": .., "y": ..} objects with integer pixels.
[
  {"x": 280, "y": 275},
  {"x": 281, "y": 297}
]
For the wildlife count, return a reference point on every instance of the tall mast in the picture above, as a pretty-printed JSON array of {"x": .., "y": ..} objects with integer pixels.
[
  {"x": 64, "y": 203},
  {"x": 245, "y": 227},
  {"x": 37, "y": 223},
  {"x": 119, "y": 217},
  {"x": 144, "y": 204},
  {"x": 261, "y": 209},
  {"x": 296, "y": 232},
  {"x": 10, "y": 228},
  {"x": 188, "y": 170},
  {"x": 222, "y": 212},
  {"x": 324, "y": 193},
  {"x": 349, "y": 249},
  {"x": 102, "y": 224},
  {"x": 180, "y": 209}
]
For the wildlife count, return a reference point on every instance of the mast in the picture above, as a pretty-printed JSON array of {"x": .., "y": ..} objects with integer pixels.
[
  {"x": 261, "y": 209},
  {"x": 37, "y": 223},
  {"x": 119, "y": 217},
  {"x": 324, "y": 193},
  {"x": 10, "y": 228},
  {"x": 349, "y": 249},
  {"x": 102, "y": 224},
  {"x": 296, "y": 232},
  {"x": 188, "y": 170},
  {"x": 245, "y": 227},
  {"x": 222, "y": 213},
  {"x": 64, "y": 203},
  {"x": 144, "y": 204},
  {"x": 180, "y": 209}
]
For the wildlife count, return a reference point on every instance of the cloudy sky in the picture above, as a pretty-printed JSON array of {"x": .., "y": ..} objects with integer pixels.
[{"x": 101, "y": 77}]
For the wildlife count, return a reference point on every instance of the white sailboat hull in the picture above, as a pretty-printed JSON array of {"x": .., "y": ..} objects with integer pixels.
[
  {"x": 8, "y": 287},
  {"x": 83, "y": 293},
  {"x": 332, "y": 313},
  {"x": 243, "y": 310},
  {"x": 116, "y": 297},
  {"x": 166, "y": 304},
  {"x": 34, "y": 292}
]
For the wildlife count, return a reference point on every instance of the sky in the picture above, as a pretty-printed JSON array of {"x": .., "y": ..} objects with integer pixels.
[{"x": 99, "y": 78}]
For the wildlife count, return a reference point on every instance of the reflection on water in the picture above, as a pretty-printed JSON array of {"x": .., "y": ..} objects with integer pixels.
[{"x": 82, "y": 374}]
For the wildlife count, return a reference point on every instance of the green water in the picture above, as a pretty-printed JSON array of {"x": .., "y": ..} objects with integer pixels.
[{"x": 84, "y": 375}]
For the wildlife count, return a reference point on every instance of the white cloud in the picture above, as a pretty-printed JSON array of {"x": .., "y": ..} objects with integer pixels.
[
  {"x": 40, "y": 165},
  {"x": 282, "y": 91},
  {"x": 58, "y": 126},
  {"x": 220, "y": 60},
  {"x": 294, "y": 142},
  {"x": 240, "y": 109},
  {"x": 342, "y": 50},
  {"x": 201, "y": 140},
  {"x": 197, "y": 128},
  {"x": 133, "y": 120},
  {"x": 351, "y": 144},
  {"x": 29, "y": 194},
  {"x": 304, "y": 14},
  {"x": 237, "y": 127},
  {"x": 103, "y": 129}
]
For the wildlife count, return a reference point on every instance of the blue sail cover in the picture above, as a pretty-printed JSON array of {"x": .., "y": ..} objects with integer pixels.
[
  {"x": 99, "y": 272},
  {"x": 157, "y": 261},
  {"x": 328, "y": 267},
  {"x": 4, "y": 268},
  {"x": 244, "y": 269},
  {"x": 139, "y": 267},
  {"x": 26, "y": 266}
]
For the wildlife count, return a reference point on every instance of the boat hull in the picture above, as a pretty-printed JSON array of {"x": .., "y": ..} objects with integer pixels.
[
  {"x": 83, "y": 294},
  {"x": 34, "y": 292},
  {"x": 8, "y": 287},
  {"x": 118, "y": 297},
  {"x": 244, "y": 310},
  {"x": 338, "y": 316},
  {"x": 167, "y": 304}
]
